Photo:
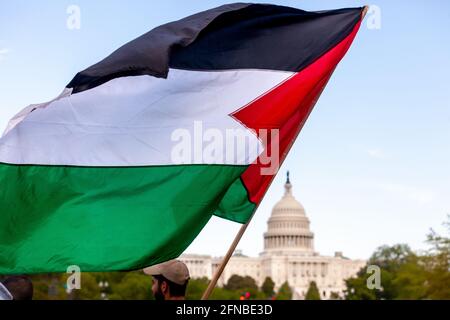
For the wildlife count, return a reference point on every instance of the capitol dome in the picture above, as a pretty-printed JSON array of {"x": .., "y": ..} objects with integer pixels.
[
  {"x": 288, "y": 226},
  {"x": 288, "y": 205}
]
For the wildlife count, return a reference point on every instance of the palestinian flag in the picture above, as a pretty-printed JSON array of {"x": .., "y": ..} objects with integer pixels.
[{"x": 128, "y": 164}]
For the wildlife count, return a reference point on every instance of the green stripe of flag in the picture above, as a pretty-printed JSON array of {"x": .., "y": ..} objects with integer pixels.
[{"x": 110, "y": 218}]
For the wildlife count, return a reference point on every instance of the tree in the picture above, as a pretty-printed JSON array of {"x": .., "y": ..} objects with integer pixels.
[
  {"x": 233, "y": 290},
  {"x": 437, "y": 265},
  {"x": 89, "y": 288},
  {"x": 133, "y": 286},
  {"x": 224, "y": 294},
  {"x": 406, "y": 274},
  {"x": 409, "y": 281},
  {"x": 196, "y": 288},
  {"x": 268, "y": 287},
  {"x": 335, "y": 296},
  {"x": 356, "y": 288},
  {"x": 50, "y": 286},
  {"x": 313, "y": 292},
  {"x": 237, "y": 282},
  {"x": 396, "y": 265},
  {"x": 285, "y": 292}
]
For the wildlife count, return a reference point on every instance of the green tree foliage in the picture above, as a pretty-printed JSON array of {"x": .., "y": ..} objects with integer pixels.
[
  {"x": 313, "y": 292},
  {"x": 268, "y": 287},
  {"x": 133, "y": 286},
  {"x": 285, "y": 292},
  {"x": 244, "y": 285},
  {"x": 237, "y": 282},
  {"x": 356, "y": 288},
  {"x": 121, "y": 285},
  {"x": 49, "y": 287},
  {"x": 233, "y": 290},
  {"x": 437, "y": 265},
  {"x": 335, "y": 296},
  {"x": 196, "y": 288},
  {"x": 401, "y": 276},
  {"x": 405, "y": 274},
  {"x": 224, "y": 294},
  {"x": 90, "y": 289}
]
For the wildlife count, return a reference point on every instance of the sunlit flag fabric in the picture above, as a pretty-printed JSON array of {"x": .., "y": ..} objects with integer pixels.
[{"x": 94, "y": 177}]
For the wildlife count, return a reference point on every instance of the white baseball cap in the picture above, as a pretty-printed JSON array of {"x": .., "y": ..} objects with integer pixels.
[{"x": 173, "y": 270}]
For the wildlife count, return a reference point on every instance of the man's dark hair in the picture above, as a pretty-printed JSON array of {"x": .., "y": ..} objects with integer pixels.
[
  {"x": 20, "y": 287},
  {"x": 176, "y": 290}
]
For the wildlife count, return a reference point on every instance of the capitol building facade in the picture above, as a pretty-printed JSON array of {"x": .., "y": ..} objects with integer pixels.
[{"x": 288, "y": 255}]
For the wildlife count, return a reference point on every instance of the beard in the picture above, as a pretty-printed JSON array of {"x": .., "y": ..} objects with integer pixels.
[{"x": 159, "y": 296}]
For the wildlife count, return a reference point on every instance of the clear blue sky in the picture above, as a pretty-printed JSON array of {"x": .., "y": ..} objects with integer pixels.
[{"x": 372, "y": 164}]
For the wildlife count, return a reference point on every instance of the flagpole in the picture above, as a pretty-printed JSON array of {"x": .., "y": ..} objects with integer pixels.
[
  {"x": 225, "y": 260},
  {"x": 212, "y": 284},
  {"x": 366, "y": 8}
]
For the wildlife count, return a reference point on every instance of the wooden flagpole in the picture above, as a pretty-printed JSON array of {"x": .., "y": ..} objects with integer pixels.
[
  {"x": 366, "y": 8},
  {"x": 241, "y": 232},
  {"x": 225, "y": 260}
]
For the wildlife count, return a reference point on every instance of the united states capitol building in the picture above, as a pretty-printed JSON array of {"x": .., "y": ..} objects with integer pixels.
[{"x": 288, "y": 255}]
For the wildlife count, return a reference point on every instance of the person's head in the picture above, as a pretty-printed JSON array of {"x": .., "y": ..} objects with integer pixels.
[
  {"x": 20, "y": 287},
  {"x": 170, "y": 280}
]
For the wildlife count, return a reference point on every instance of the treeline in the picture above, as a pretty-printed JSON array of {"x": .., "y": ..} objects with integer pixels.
[
  {"x": 240, "y": 288},
  {"x": 133, "y": 285},
  {"x": 136, "y": 285},
  {"x": 405, "y": 274}
]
